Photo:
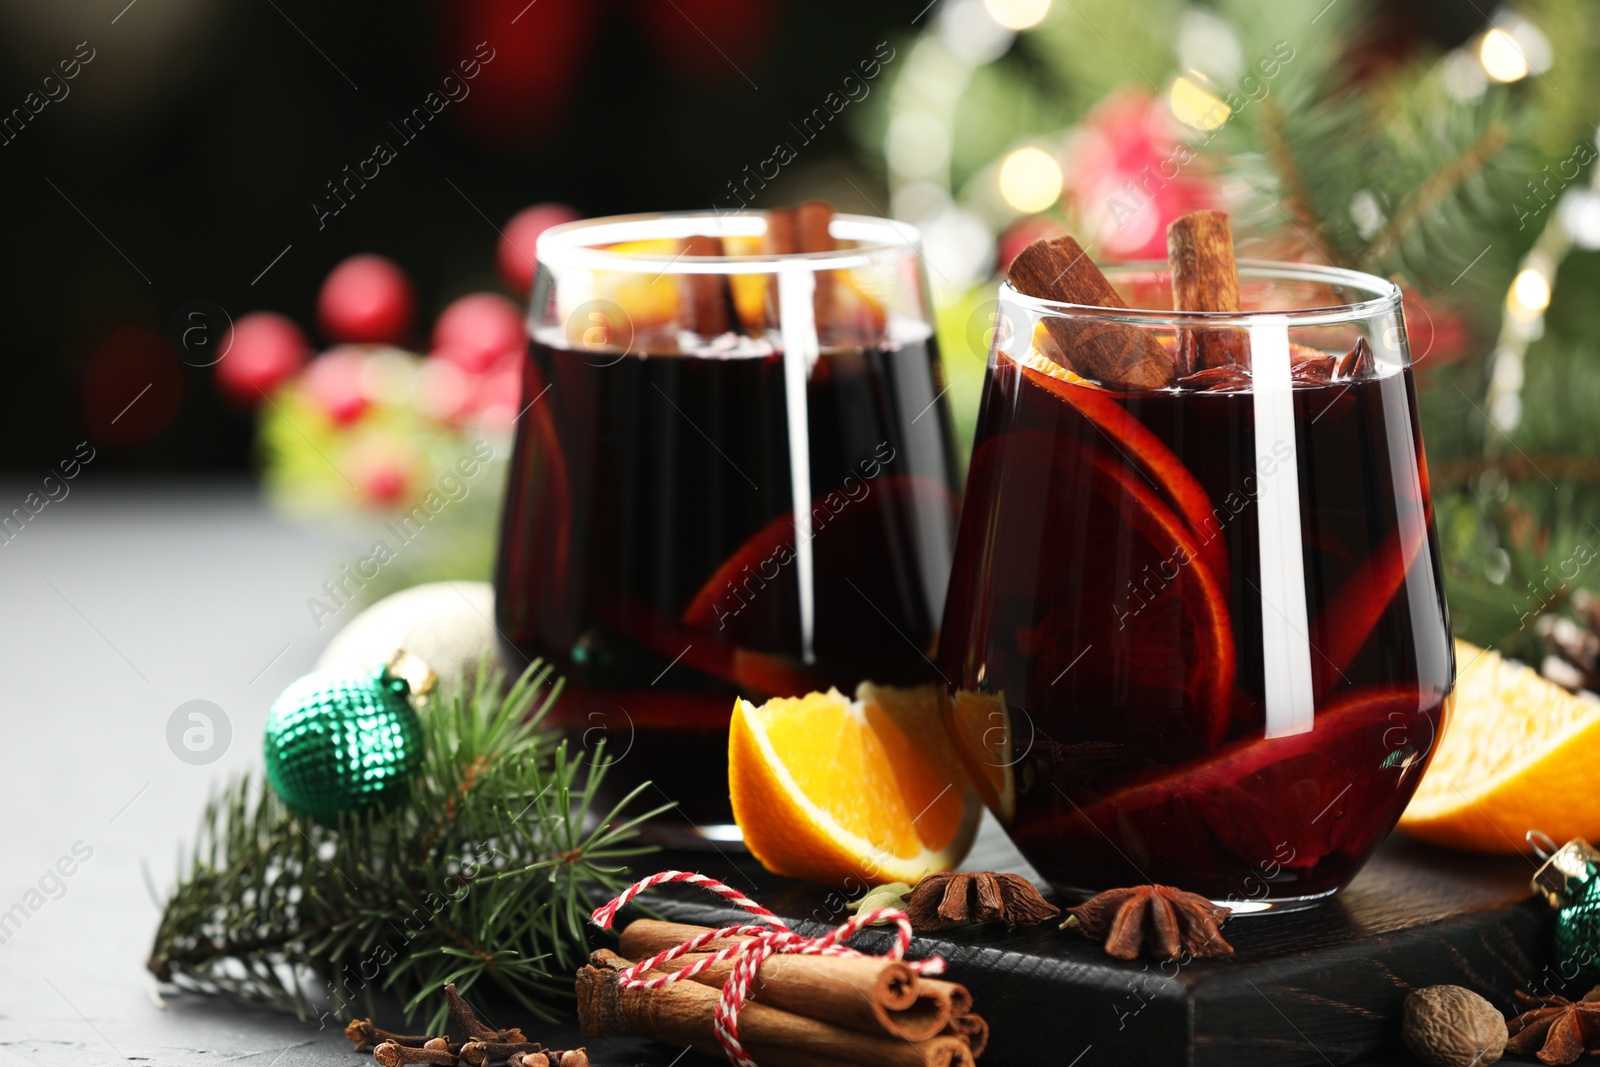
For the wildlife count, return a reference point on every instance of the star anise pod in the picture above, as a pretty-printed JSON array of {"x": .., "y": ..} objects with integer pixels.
[
  {"x": 1555, "y": 1029},
  {"x": 1152, "y": 917},
  {"x": 957, "y": 898}
]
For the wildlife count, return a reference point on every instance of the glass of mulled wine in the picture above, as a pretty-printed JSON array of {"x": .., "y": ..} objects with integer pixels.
[
  {"x": 1197, "y": 635},
  {"x": 734, "y": 475}
]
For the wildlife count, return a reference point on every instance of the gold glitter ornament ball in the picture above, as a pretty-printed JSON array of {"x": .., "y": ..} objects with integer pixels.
[{"x": 338, "y": 743}]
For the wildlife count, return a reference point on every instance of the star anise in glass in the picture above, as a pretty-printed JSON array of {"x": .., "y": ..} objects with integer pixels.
[
  {"x": 1157, "y": 919},
  {"x": 957, "y": 898},
  {"x": 1555, "y": 1029}
]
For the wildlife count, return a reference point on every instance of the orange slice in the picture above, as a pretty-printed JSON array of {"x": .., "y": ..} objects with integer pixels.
[
  {"x": 647, "y": 301},
  {"x": 980, "y": 726},
  {"x": 1334, "y": 789},
  {"x": 826, "y": 788},
  {"x": 1050, "y": 615},
  {"x": 1518, "y": 755},
  {"x": 1131, "y": 438},
  {"x": 752, "y": 599}
]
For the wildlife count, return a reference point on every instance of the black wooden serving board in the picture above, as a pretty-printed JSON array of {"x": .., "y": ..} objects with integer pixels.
[{"x": 1321, "y": 986}]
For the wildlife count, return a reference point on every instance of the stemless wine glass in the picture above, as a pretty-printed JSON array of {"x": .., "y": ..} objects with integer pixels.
[
  {"x": 734, "y": 476},
  {"x": 1198, "y": 635}
]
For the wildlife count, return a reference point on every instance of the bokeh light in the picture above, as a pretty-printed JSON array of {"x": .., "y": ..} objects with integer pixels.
[
  {"x": 1530, "y": 293},
  {"x": 1501, "y": 56},
  {"x": 1196, "y": 106},
  {"x": 1017, "y": 14},
  {"x": 1030, "y": 180}
]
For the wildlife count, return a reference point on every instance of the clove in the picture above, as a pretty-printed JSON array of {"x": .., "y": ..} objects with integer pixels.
[
  {"x": 364, "y": 1036},
  {"x": 390, "y": 1054},
  {"x": 478, "y": 1053},
  {"x": 473, "y": 1028}
]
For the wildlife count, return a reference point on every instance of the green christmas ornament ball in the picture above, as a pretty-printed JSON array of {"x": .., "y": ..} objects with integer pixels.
[{"x": 339, "y": 743}]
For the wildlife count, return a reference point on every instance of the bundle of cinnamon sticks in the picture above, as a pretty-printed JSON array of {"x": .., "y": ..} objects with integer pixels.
[{"x": 803, "y": 1009}]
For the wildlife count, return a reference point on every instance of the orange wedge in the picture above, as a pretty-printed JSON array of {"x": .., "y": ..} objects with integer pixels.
[
  {"x": 828, "y": 789},
  {"x": 1518, "y": 754},
  {"x": 980, "y": 725}
]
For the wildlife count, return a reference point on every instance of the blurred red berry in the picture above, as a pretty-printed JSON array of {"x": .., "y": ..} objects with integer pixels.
[
  {"x": 515, "y": 253},
  {"x": 385, "y": 485},
  {"x": 333, "y": 381},
  {"x": 477, "y": 330},
  {"x": 261, "y": 352},
  {"x": 366, "y": 300},
  {"x": 384, "y": 468}
]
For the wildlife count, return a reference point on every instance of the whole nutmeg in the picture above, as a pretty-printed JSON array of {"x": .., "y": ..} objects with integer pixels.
[{"x": 1448, "y": 1026}]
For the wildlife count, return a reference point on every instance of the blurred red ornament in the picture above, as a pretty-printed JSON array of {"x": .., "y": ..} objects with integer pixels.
[
  {"x": 366, "y": 300},
  {"x": 477, "y": 330},
  {"x": 709, "y": 40},
  {"x": 334, "y": 382},
  {"x": 132, "y": 387},
  {"x": 518, "y": 61},
  {"x": 1129, "y": 174},
  {"x": 1024, "y": 232},
  {"x": 514, "y": 255},
  {"x": 261, "y": 352}
]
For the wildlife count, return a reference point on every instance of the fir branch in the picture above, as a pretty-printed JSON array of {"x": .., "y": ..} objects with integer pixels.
[
  {"x": 1452, "y": 473},
  {"x": 1302, "y": 210},
  {"x": 485, "y": 873},
  {"x": 1434, "y": 191}
]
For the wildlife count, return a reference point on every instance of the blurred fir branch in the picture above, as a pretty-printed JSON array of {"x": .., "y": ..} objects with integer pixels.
[
  {"x": 485, "y": 874},
  {"x": 1351, "y": 155}
]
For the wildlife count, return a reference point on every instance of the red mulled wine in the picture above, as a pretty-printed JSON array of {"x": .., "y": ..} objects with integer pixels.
[
  {"x": 651, "y": 548},
  {"x": 1112, "y": 595}
]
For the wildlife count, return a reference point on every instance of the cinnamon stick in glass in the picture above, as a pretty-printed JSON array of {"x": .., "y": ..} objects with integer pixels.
[
  {"x": 867, "y": 993},
  {"x": 681, "y": 1014},
  {"x": 710, "y": 302},
  {"x": 1206, "y": 278},
  {"x": 1117, "y": 354},
  {"x": 813, "y": 233},
  {"x": 781, "y": 238}
]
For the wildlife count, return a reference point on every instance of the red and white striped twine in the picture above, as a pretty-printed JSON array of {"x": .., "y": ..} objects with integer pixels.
[{"x": 769, "y": 938}]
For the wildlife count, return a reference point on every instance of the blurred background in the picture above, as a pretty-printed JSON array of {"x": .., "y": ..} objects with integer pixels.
[{"x": 173, "y": 168}]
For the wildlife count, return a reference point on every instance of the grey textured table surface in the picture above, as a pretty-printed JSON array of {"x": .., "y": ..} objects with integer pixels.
[{"x": 121, "y": 602}]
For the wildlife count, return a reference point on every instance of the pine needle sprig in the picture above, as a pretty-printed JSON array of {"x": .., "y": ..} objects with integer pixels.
[{"x": 486, "y": 873}]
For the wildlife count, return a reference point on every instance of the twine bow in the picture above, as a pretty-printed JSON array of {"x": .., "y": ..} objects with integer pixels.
[{"x": 772, "y": 936}]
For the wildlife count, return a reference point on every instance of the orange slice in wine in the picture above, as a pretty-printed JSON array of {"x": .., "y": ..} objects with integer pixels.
[
  {"x": 862, "y": 578},
  {"x": 1091, "y": 617},
  {"x": 1284, "y": 801},
  {"x": 1130, "y": 437},
  {"x": 648, "y": 301}
]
